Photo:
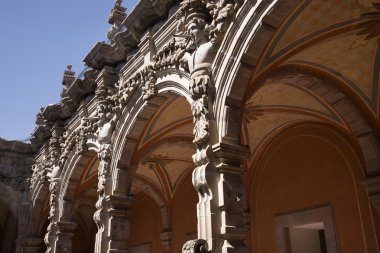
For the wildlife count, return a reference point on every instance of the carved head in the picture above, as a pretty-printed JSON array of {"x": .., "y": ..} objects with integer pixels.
[{"x": 196, "y": 27}]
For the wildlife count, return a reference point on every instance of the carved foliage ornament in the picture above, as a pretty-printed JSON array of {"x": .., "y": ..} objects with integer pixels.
[
  {"x": 112, "y": 100},
  {"x": 105, "y": 159},
  {"x": 53, "y": 189}
]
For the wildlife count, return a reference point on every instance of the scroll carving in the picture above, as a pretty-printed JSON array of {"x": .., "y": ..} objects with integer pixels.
[{"x": 195, "y": 246}]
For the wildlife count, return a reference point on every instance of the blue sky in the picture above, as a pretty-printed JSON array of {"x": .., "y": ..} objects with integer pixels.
[{"x": 38, "y": 39}]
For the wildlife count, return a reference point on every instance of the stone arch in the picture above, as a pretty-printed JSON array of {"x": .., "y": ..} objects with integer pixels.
[
  {"x": 243, "y": 44},
  {"x": 135, "y": 117},
  {"x": 247, "y": 50},
  {"x": 346, "y": 160},
  {"x": 70, "y": 177},
  {"x": 84, "y": 234}
]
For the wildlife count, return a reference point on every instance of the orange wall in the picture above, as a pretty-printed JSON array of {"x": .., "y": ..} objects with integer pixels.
[{"x": 305, "y": 167}]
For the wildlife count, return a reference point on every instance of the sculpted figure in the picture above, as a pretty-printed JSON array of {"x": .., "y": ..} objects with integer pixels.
[{"x": 199, "y": 62}]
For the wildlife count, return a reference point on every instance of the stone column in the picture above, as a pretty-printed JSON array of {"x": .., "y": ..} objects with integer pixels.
[
  {"x": 53, "y": 165},
  {"x": 222, "y": 201},
  {"x": 231, "y": 197},
  {"x": 51, "y": 235},
  {"x": 111, "y": 216},
  {"x": 64, "y": 234},
  {"x": 118, "y": 228},
  {"x": 31, "y": 245}
]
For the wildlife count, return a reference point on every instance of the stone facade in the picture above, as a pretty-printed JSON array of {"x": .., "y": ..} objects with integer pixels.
[{"x": 208, "y": 126}]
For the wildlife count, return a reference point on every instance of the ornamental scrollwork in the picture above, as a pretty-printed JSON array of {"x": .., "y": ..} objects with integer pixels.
[{"x": 195, "y": 246}]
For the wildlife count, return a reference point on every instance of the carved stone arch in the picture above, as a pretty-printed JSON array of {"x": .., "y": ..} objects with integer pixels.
[
  {"x": 38, "y": 204},
  {"x": 135, "y": 117},
  {"x": 38, "y": 211},
  {"x": 158, "y": 198},
  {"x": 173, "y": 80},
  {"x": 72, "y": 171},
  {"x": 243, "y": 45}
]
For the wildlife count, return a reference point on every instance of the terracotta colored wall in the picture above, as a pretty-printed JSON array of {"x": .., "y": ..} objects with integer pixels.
[
  {"x": 309, "y": 166},
  {"x": 145, "y": 226},
  {"x": 184, "y": 215}
]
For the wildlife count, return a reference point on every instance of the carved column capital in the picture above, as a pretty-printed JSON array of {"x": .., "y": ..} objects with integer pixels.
[
  {"x": 113, "y": 223},
  {"x": 230, "y": 153},
  {"x": 116, "y": 203}
]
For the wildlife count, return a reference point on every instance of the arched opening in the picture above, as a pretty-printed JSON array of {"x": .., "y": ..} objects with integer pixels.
[
  {"x": 83, "y": 209},
  {"x": 158, "y": 152},
  {"x": 306, "y": 167},
  {"x": 8, "y": 228},
  {"x": 184, "y": 214},
  {"x": 145, "y": 225}
]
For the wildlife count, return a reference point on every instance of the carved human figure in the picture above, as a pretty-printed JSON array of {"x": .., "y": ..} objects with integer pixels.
[{"x": 199, "y": 61}]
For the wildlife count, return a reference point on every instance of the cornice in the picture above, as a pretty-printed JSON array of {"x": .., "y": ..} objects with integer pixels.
[{"x": 145, "y": 15}]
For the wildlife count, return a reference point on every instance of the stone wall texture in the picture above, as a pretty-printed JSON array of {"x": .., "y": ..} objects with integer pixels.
[{"x": 16, "y": 159}]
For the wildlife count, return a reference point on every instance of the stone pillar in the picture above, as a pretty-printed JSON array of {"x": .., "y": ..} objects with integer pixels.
[
  {"x": 64, "y": 234},
  {"x": 51, "y": 235},
  {"x": 100, "y": 216},
  {"x": 111, "y": 216},
  {"x": 217, "y": 177},
  {"x": 118, "y": 222},
  {"x": 53, "y": 165},
  {"x": 231, "y": 197},
  {"x": 31, "y": 245},
  {"x": 113, "y": 224},
  {"x": 222, "y": 201}
]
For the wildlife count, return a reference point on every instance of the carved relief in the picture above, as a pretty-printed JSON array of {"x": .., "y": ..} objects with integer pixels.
[
  {"x": 195, "y": 246},
  {"x": 105, "y": 159},
  {"x": 200, "y": 118},
  {"x": 149, "y": 80},
  {"x": 53, "y": 189}
]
